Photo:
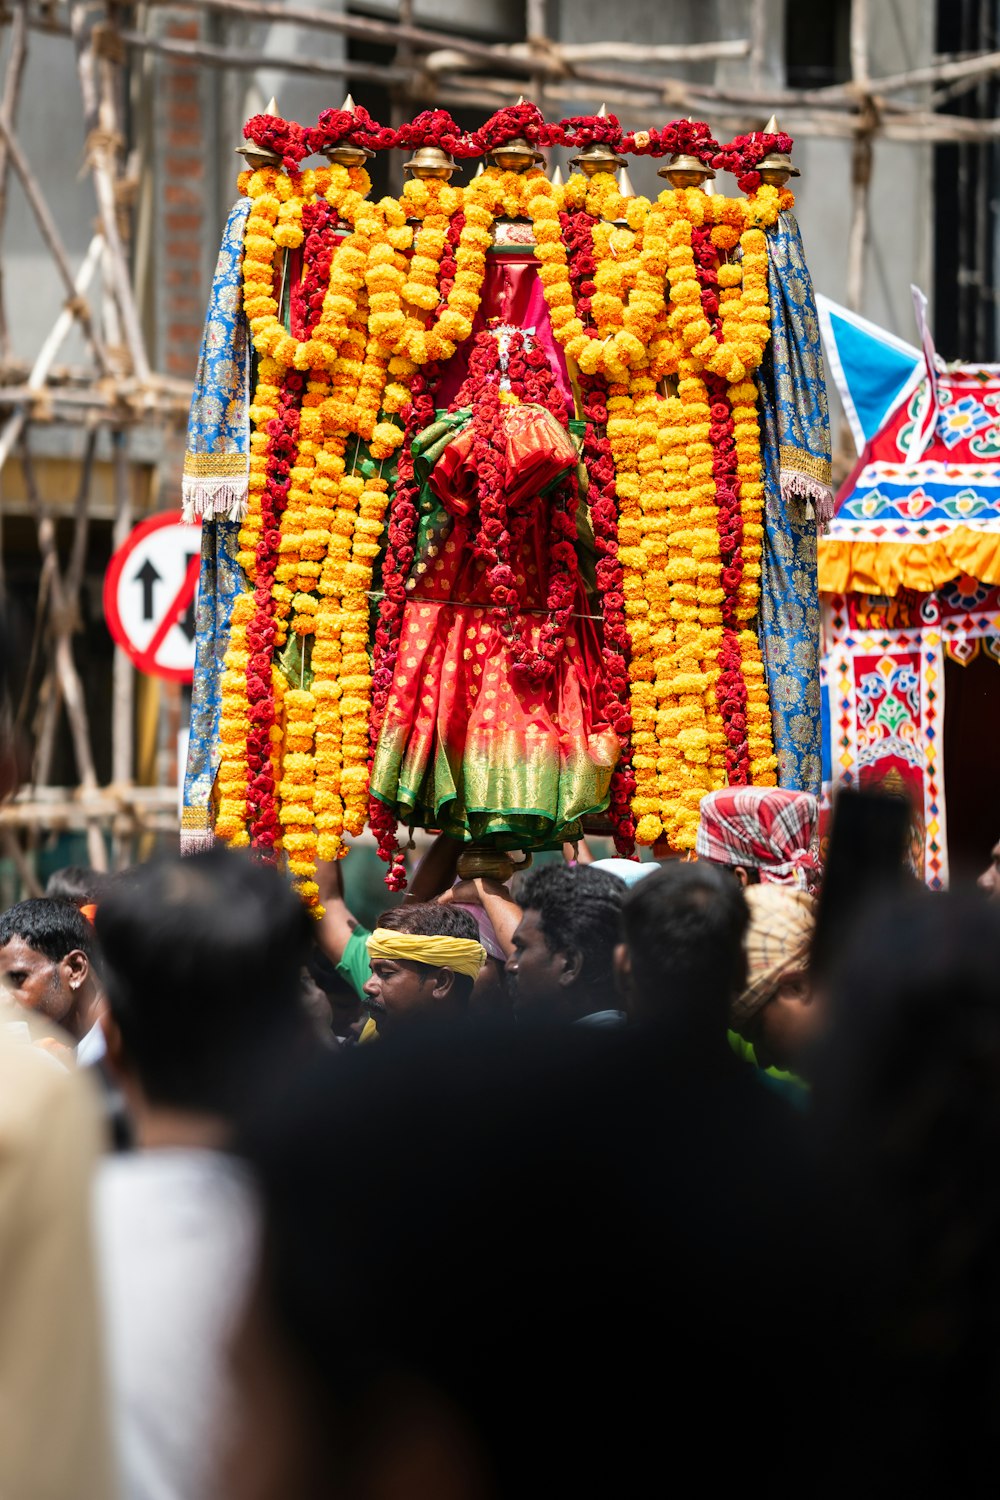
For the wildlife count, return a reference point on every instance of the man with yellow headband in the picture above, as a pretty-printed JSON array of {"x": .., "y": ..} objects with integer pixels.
[{"x": 424, "y": 961}]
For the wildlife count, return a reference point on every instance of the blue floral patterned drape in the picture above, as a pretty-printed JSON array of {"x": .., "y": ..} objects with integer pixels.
[
  {"x": 797, "y": 490},
  {"x": 217, "y": 460}
]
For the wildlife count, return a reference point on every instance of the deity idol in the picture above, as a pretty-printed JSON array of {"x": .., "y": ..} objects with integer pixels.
[{"x": 495, "y": 726}]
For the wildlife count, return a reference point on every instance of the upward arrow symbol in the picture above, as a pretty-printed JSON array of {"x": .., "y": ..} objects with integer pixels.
[{"x": 147, "y": 576}]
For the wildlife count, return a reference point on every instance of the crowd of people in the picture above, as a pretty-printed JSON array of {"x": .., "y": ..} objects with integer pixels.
[{"x": 606, "y": 1176}]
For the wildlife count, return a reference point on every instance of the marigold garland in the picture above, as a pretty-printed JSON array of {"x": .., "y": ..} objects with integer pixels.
[
  {"x": 577, "y": 233},
  {"x": 638, "y": 294}
]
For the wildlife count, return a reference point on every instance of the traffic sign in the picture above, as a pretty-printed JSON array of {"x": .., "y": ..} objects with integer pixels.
[{"x": 149, "y": 595}]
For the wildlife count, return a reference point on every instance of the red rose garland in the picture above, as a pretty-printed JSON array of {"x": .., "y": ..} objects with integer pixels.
[
  {"x": 402, "y": 531},
  {"x": 680, "y": 137},
  {"x": 402, "y": 534},
  {"x": 283, "y": 437},
  {"x": 435, "y": 127},
  {"x": 578, "y": 237},
  {"x": 320, "y": 231},
  {"x": 591, "y": 130},
  {"x": 743, "y": 154},
  {"x": 335, "y": 127},
  {"x": 731, "y": 690},
  {"x": 525, "y": 120},
  {"x": 530, "y": 380},
  {"x": 287, "y": 139}
]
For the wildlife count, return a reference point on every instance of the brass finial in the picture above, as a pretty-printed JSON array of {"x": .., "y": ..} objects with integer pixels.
[
  {"x": 344, "y": 154},
  {"x": 431, "y": 161},
  {"x": 596, "y": 157},
  {"x": 776, "y": 167},
  {"x": 602, "y": 113},
  {"x": 480, "y": 169},
  {"x": 625, "y": 184},
  {"x": 683, "y": 171},
  {"x": 259, "y": 156},
  {"x": 557, "y": 177},
  {"x": 516, "y": 155}
]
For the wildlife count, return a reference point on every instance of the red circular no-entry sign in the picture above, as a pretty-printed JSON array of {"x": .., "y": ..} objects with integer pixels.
[{"x": 149, "y": 595}]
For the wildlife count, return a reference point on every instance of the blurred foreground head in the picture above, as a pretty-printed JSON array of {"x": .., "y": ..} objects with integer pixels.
[
  {"x": 907, "y": 1091},
  {"x": 203, "y": 959},
  {"x": 516, "y": 1229},
  {"x": 681, "y": 963},
  {"x": 78, "y": 884}
]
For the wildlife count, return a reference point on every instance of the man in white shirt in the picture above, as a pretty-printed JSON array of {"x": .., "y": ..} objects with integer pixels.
[{"x": 203, "y": 959}]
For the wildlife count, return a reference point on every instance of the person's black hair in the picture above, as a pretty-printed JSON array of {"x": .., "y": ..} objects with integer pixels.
[
  {"x": 203, "y": 959},
  {"x": 907, "y": 1099},
  {"x": 578, "y": 912},
  {"x": 505, "y": 1172},
  {"x": 684, "y": 927},
  {"x": 78, "y": 884},
  {"x": 52, "y": 927},
  {"x": 428, "y": 919}
]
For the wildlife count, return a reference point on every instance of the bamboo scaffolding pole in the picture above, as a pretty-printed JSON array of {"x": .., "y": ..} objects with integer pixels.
[
  {"x": 401, "y": 93},
  {"x": 65, "y": 666},
  {"x": 60, "y": 808},
  {"x": 861, "y": 160},
  {"x": 758, "y": 38},
  {"x": 14, "y": 426},
  {"x": 627, "y": 89},
  {"x": 98, "y": 82},
  {"x": 563, "y": 58},
  {"x": 50, "y": 695},
  {"x": 22, "y": 863},
  {"x": 53, "y": 241},
  {"x": 16, "y": 59},
  {"x": 496, "y": 57},
  {"x": 574, "y": 52},
  {"x": 537, "y": 47},
  {"x": 240, "y": 57},
  {"x": 114, "y": 401},
  {"x": 123, "y": 672}
]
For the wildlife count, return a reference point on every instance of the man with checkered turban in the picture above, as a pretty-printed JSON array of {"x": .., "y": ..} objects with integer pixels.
[{"x": 766, "y": 834}]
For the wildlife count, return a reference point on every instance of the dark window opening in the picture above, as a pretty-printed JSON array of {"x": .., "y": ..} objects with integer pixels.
[
  {"x": 817, "y": 44},
  {"x": 971, "y": 786},
  {"x": 965, "y": 197}
]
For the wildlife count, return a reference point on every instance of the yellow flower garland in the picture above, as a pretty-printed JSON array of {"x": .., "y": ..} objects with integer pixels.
[
  {"x": 296, "y": 791},
  {"x": 234, "y": 725},
  {"x": 373, "y": 335}
]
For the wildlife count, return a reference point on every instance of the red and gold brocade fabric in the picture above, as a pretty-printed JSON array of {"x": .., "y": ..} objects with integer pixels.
[{"x": 467, "y": 745}]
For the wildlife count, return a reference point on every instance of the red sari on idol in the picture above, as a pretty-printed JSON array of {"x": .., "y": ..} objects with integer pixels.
[{"x": 468, "y": 744}]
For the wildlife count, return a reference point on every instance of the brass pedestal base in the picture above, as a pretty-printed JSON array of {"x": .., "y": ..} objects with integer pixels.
[{"x": 483, "y": 861}]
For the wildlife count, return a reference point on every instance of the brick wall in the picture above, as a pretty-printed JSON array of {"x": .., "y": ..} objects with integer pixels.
[
  {"x": 181, "y": 175},
  {"x": 185, "y": 235}
]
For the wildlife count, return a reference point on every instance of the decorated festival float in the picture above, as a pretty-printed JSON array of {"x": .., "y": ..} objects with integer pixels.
[
  {"x": 910, "y": 578},
  {"x": 509, "y": 491}
]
